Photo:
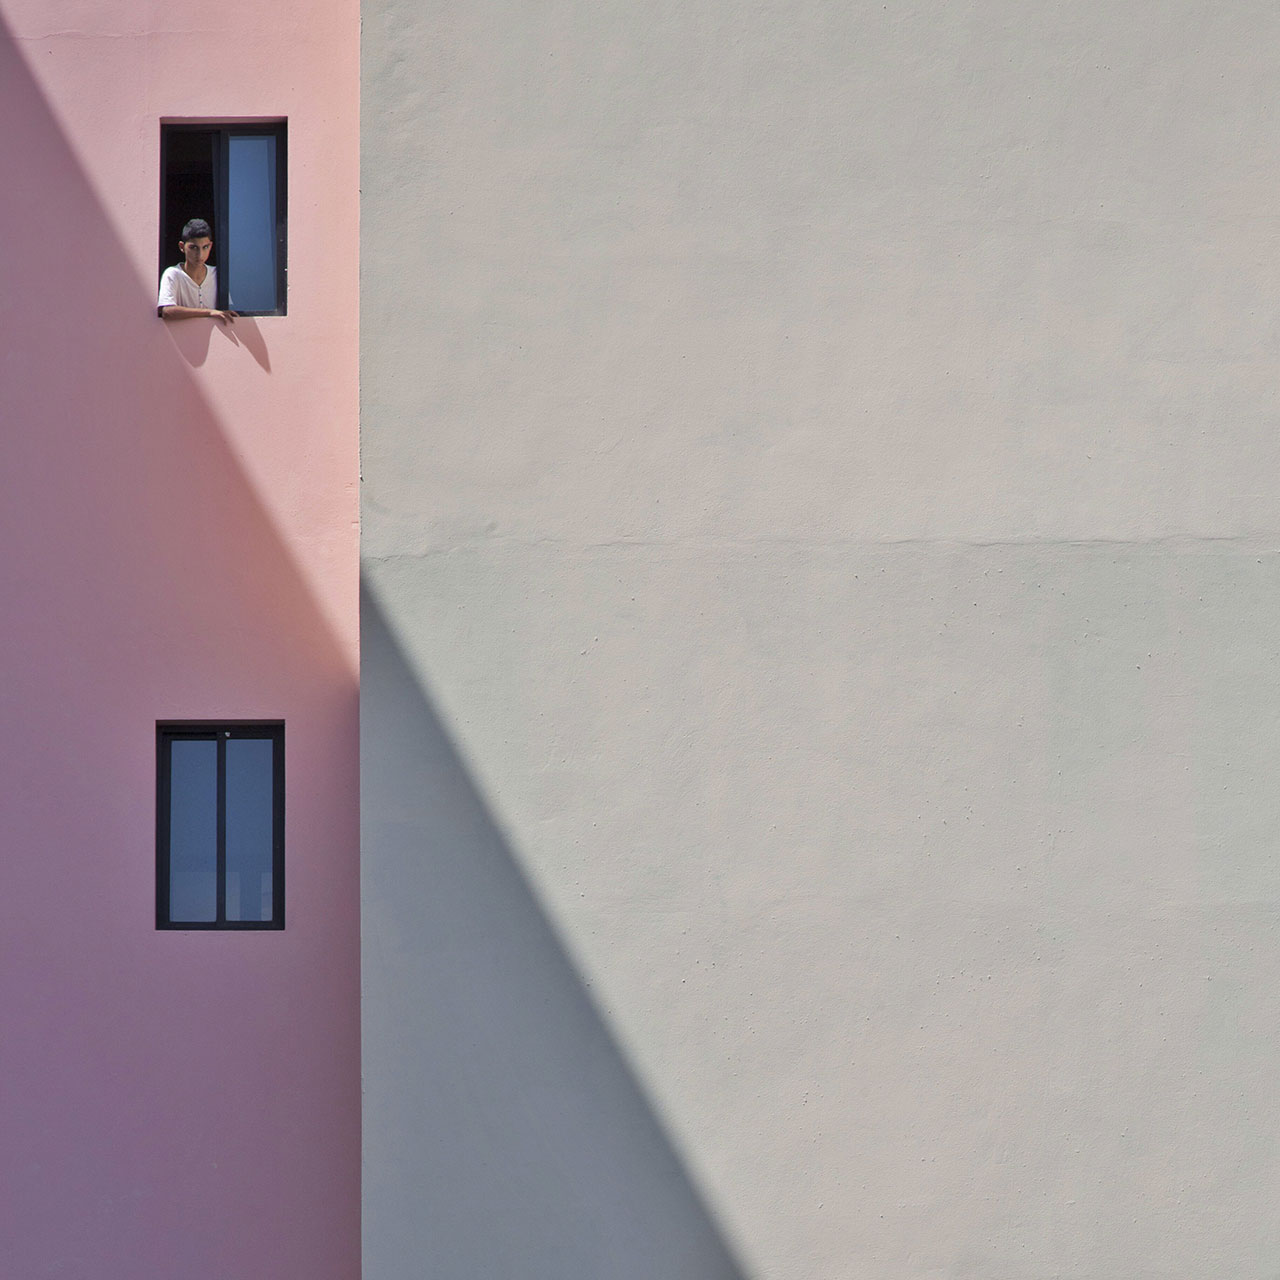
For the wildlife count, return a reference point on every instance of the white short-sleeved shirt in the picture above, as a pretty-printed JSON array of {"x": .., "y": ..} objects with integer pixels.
[{"x": 177, "y": 289}]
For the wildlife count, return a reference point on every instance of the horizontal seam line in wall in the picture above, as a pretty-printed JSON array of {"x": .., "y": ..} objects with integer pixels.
[
  {"x": 107, "y": 35},
  {"x": 1260, "y": 544}
]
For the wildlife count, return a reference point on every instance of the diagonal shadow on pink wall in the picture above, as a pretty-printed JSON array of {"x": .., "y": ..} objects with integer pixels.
[{"x": 170, "y": 1103}]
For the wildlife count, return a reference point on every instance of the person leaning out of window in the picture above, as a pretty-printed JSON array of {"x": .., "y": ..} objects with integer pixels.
[{"x": 188, "y": 291}]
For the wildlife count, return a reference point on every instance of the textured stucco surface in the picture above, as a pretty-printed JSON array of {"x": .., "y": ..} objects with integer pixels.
[
  {"x": 177, "y": 511},
  {"x": 819, "y": 471}
]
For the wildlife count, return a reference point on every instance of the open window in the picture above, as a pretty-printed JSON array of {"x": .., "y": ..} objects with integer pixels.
[
  {"x": 234, "y": 176},
  {"x": 220, "y": 825}
]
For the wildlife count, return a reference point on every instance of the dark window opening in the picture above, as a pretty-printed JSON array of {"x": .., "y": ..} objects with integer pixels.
[
  {"x": 220, "y": 826},
  {"x": 235, "y": 177}
]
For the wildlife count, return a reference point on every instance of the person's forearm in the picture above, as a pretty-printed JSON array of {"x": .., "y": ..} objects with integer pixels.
[{"x": 187, "y": 313}]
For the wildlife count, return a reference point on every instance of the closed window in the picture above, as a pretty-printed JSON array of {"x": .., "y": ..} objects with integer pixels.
[
  {"x": 220, "y": 826},
  {"x": 234, "y": 177}
]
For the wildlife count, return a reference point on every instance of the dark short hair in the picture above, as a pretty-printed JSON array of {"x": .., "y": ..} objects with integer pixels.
[{"x": 196, "y": 228}]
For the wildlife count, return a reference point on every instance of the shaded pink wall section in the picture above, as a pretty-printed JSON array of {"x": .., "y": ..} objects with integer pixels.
[{"x": 178, "y": 516}]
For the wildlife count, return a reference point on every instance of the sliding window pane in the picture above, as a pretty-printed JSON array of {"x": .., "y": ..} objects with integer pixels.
[
  {"x": 193, "y": 830},
  {"x": 250, "y": 828},
  {"x": 250, "y": 232}
]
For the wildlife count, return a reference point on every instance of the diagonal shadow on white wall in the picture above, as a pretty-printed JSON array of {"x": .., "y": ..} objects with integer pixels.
[{"x": 504, "y": 1135}]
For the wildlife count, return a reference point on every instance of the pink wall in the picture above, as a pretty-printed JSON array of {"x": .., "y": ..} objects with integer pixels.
[{"x": 178, "y": 516}]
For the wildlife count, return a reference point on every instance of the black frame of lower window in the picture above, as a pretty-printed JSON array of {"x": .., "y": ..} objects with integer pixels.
[
  {"x": 220, "y": 732},
  {"x": 219, "y": 134}
]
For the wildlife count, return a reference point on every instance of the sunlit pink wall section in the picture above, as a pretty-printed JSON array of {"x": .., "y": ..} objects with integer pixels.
[{"x": 178, "y": 515}]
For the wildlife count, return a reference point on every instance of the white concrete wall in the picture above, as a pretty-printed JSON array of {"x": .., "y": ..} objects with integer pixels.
[{"x": 820, "y": 528}]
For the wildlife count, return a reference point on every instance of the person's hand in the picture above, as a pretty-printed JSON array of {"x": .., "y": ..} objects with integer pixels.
[{"x": 223, "y": 317}]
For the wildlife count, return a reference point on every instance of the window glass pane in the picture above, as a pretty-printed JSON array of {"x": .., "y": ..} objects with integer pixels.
[
  {"x": 193, "y": 830},
  {"x": 250, "y": 231},
  {"x": 250, "y": 828}
]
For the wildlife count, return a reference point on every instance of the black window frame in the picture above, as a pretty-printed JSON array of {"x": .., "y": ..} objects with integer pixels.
[
  {"x": 221, "y": 131},
  {"x": 220, "y": 731}
]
